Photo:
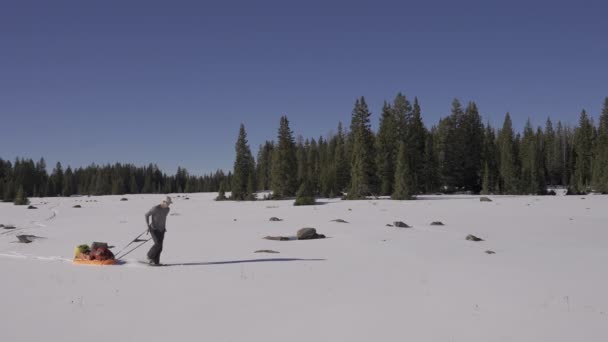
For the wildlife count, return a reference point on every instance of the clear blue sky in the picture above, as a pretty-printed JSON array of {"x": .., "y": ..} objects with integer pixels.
[{"x": 170, "y": 81}]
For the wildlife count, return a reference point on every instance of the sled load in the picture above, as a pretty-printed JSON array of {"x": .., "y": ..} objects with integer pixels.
[{"x": 97, "y": 254}]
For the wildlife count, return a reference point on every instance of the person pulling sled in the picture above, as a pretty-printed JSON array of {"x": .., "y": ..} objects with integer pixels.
[{"x": 157, "y": 228}]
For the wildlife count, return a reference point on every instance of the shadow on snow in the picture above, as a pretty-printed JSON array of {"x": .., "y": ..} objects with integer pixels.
[{"x": 238, "y": 262}]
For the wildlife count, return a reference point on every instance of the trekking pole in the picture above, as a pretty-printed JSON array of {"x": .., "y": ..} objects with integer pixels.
[
  {"x": 143, "y": 242},
  {"x": 134, "y": 240}
]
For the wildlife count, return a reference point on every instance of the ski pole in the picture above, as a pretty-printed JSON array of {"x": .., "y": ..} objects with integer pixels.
[
  {"x": 132, "y": 249},
  {"x": 134, "y": 240}
]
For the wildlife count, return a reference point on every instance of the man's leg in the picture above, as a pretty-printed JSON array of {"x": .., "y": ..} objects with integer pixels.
[
  {"x": 160, "y": 238},
  {"x": 154, "y": 252}
]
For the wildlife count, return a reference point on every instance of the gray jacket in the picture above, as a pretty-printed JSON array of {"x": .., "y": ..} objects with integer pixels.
[{"x": 159, "y": 217}]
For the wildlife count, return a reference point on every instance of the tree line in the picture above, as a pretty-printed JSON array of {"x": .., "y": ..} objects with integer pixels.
[
  {"x": 404, "y": 158},
  {"x": 26, "y": 178}
]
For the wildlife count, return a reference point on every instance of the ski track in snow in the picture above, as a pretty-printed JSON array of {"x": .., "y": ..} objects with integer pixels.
[
  {"x": 16, "y": 255},
  {"x": 131, "y": 263},
  {"x": 36, "y": 224}
]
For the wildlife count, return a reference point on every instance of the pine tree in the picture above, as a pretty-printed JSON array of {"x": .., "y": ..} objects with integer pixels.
[
  {"x": 305, "y": 194},
  {"x": 403, "y": 115},
  {"x": 517, "y": 161},
  {"x": 563, "y": 154},
  {"x": 490, "y": 159},
  {"x": 363, "y": 168},
  {"x": 431, "y": 180},
  {"x": 68, "y": 183},
  {"x": 326, "y": 165},
  {"x": 472, "y": 137},
  {"x": 486, "y": 183},
  {"x": 117, "y": 186},
  {"x": 583, "y": 149},
  {"x": 243, "y": 167},
  {"x": 99, "y": 183},
  {"x": 148, "y": 187},
  {"x": 9, "y": 191},
  {"x": 6, "y": 171},
  {"x": 440, "y": 140},
  {"x": 21, "y": 197},
  {"x": 251, "y": 188},
  {"x": 302, "y": 160},
  {"x": 386, "y": 150},
  {"x": 341, "y": 167},
  {"x": 327, "y": 180},
  {"x": 284, "y": 164},
  {"x": 42, "y": 178},
  {"x": 600, "y": 165},
  {"x": 404, "y": 177},
  {"x": 314, "y": 167},
  {"x": 57, "y": 179},
  {"x": 222, "y": 193},
  {"x": 551, "y": 154},
  {"x": 453, "y": 169},
  {"x": 167, "y": 188},
  {"x": 263, "y": 166},
  {"x": 541, "y": 174},
  {"x": 133, "y": 185},
  {"x": 528, "y": 159},
  {"x": 508, "y": 181},
  {"x": 416, "y": 140}
]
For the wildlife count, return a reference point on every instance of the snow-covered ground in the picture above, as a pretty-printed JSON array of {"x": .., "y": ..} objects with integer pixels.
[{"x": 548, "y": 280}]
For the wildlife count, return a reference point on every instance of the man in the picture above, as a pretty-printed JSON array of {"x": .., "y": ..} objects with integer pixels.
[{"x": 157, "y": 229}]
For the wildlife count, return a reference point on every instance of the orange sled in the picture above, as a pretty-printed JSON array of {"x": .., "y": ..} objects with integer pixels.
[{"x": 95, "y": 262}]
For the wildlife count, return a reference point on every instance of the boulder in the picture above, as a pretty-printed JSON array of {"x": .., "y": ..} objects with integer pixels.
[
  {"x": 275, "y": 219},
  {"x": 77, "y": 206},
  {"x": 484, "y": 199},
  {"x": 124, "y": 199},
  {"x": 437, "y": 223},
  {"x": 265, "y": 251},
  {"x": 400, "y": 224},
  {"x": 27, "y": 238},
  {"x": 339, "y": 221},
  {"x": 24, "y": 238},
  {"x": 490, "y": 252},
  {"x": 32, "y": 207},
  {"x": 472, "y": 237},
  {"x": 308, "y": 234}
]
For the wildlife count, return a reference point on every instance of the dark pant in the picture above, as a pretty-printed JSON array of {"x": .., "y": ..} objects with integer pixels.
[{"x": 154, "y": 252}]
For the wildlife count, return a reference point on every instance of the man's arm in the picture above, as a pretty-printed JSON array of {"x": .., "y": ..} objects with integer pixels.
[{"x": 148, "y": 214}]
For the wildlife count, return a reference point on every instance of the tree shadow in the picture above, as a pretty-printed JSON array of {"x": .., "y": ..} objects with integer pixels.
[
  {"x": 449, "y": 197},
  {"x": 238, "y": 262}
]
